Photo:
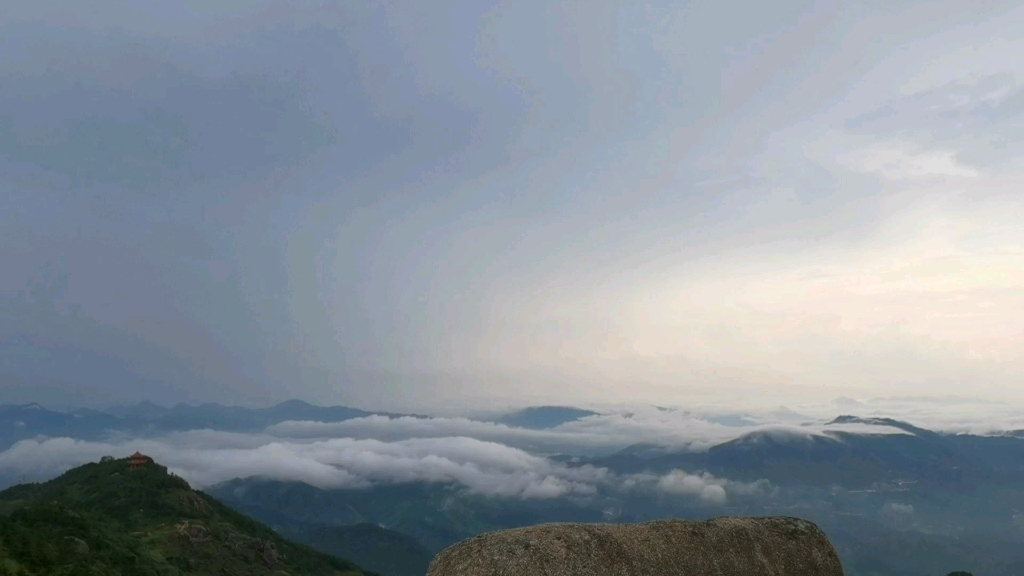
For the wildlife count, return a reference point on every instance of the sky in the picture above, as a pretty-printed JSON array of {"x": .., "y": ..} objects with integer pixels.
[{"x": 437, "y": 206}]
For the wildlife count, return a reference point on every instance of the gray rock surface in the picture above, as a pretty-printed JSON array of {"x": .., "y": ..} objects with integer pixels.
[{"x": 727, "y": 546}]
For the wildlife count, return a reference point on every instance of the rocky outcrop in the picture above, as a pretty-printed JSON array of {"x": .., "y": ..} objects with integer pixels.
[{"x": 771, "y": 546}]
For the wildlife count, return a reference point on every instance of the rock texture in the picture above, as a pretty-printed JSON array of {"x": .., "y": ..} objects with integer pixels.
[{"x": 771, "y": 546}]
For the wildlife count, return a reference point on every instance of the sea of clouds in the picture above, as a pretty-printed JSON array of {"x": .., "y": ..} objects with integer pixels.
[
  {"x": 482, "y": 457},
  {"x": 206, "y": 458}
]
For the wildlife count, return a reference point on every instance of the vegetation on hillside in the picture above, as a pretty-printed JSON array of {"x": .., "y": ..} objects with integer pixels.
[{"x": 104, "y": 519}]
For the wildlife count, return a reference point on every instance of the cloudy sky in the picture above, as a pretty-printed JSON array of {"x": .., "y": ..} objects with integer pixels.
[{"x": 400, "y": 205}]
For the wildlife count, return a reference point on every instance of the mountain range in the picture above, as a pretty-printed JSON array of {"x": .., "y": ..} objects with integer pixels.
[
  {"x": 905, "y": 501},
  {"x": 912, "y": 502},
  {"x": 23, "y": 421},
  {"x": 543, "y": 417},
  {"x": 955, "y": 462}
]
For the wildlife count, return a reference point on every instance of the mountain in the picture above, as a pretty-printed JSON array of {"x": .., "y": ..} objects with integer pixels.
[
  {"x": 890, "y": 422},
  {"x": 435, "y": 515},
  {"x": 328, "y": 527},
  {"x": 869, "y": 543},
  {"x": 951, "y": 462},
  {"x": 342, "y": 532},
  {"x": 107, "y": 519},
  {"x": 233, "y": 418},
  {"x": 20, "y": 422},
  {"x": 374, "y": 547},
  {"x": 543, "y": 417},
  {"x": 145, "y": 410}
]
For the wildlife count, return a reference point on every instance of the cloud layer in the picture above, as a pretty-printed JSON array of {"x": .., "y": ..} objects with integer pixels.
[
  {"x": 503, "y": 461},
  {"x": 600, "y": 434},
  {"x": 486, "y": 468}
]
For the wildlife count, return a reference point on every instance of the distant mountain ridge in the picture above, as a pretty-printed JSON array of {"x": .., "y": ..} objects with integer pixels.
[
  {"x": 876, "y": 421},
  {"x": 371, "y": 546},
  {"x": 957, "y": 462},
  {"x": 339, "y": 530},
  {"x": 24, "y": 421},
  {"x": 237, "y": 418},
  {"x": 433, "y": 514},
  {"x": 20, "y": 422},
  {"x": 544, "y": 417}
]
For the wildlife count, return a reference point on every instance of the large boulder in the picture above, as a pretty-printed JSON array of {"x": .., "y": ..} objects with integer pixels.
[{"x": 771, "y": 546}]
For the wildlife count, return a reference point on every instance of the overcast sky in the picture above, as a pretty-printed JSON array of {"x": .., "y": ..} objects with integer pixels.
[{"x": 409, "y": 205}]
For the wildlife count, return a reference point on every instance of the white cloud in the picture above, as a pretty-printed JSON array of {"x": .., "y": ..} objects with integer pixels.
[
  {"x": 497, "y": 460},
  {"x": 897, "y": 509},
  {"x": 705, "y": 486},
  {"x": 903, "y": 161},
  {"x": 601, "y": 433},
  {"x": 486, "y": 468},
  {"x": 482, "y": 467},
  {"x": 672, "y": 429}
]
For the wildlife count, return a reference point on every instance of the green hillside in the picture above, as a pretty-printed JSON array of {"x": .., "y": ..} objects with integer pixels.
[{"x": 105, "y": 519}]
